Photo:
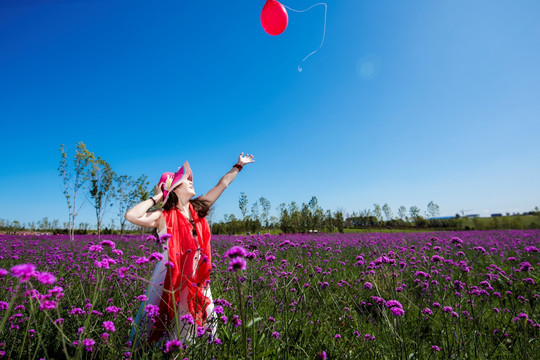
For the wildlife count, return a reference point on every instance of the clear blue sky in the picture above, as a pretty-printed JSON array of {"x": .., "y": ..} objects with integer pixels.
[{"x": 406, "y": 102}]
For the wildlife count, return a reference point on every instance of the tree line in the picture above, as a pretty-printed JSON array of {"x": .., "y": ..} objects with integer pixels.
[{"x": 311, "y": 217}]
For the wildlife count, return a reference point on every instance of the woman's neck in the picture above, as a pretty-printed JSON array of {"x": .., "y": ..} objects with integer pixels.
[{"x": 183, "y": 206}]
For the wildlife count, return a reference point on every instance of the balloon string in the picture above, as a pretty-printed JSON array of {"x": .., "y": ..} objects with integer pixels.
[{"x": 324, "y": 30}]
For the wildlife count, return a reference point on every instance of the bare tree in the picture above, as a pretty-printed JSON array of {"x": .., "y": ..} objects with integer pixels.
[{"x": 74, "y": 179}]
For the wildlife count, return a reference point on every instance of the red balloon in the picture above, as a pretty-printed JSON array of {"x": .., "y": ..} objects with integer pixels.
[{"x": 274, "y": 18}]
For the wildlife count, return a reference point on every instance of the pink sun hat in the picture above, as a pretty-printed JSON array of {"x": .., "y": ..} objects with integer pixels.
[{"x": 169, "y": 180}]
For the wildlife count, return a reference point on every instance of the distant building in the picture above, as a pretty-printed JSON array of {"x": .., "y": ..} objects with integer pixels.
[
  {"x": 472, "y": 216},
  {"x": 496, "y": 215}
]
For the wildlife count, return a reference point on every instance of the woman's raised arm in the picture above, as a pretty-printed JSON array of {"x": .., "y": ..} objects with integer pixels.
[
  {"x": 227, "y": 179},
  {"x": 139, "y": 214}
]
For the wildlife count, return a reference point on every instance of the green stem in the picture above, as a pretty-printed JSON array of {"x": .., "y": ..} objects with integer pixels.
[{"x": 240, "y": 300}]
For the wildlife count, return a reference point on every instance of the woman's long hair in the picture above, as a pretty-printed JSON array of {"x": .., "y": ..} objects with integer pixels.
[{"x": 201, "y": 206}]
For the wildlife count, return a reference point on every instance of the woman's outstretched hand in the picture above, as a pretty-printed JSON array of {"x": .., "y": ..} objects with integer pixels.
[{"x": 245, "y": 159}]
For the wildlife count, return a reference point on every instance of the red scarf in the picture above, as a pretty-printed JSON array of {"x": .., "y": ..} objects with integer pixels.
[{"x": 182, "y": 249}]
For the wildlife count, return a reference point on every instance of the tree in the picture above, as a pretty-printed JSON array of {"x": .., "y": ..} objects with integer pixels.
[
  {"x": 377, "y": 212},
  {"x": 129, "y": 192},
  {"x": 265, "y": 206},
  {"x": 255, "y": 211},
  {"x": 328, "y": 221},
  {"x": 387, "y": 212},
  {"x": 339, "y": 222},
  {"x": 402, "y": 213},
  {"x": 74, "y": 179},
  {"x": 414, "y": 211},
  {"x": 242, "y": 204},
  {"x": 432, "y": 210},
  {"x": 44, "y": 224},
  {"x": 294, "y": 213},
  {"x": 101, "y": 188}
]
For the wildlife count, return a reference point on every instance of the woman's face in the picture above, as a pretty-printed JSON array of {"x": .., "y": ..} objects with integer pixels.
[{"x": 185, "y": 189}]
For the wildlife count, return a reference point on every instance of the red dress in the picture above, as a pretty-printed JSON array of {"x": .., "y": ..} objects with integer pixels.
[{"x": 190, "y": 265}]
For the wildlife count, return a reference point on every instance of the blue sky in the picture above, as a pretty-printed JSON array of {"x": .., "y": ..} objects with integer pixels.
[{"x": 406, "y": 102}]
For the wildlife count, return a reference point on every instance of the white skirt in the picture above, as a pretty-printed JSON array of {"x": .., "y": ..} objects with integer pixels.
[{"x": 142, "y": 324}]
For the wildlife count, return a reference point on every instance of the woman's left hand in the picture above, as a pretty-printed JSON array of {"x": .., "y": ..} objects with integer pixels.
[{"x": 245, "y": 159}]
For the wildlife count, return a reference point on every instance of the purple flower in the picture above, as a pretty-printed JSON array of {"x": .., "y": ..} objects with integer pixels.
[
  {"x": 109, "y": 243},
  {"x": 237, "y": 263},
  {"x": 187, "y": 318},
  {"x": 165, "y": 237},
  {"x": 4, "y": 305},
  {"x": 397, "y": 311},
  {"x": 218, "y": 310},
  {"x": 109, "y": 326},
  {"x": 142, "y": 260},
  {"x": 368, "y": 285},
  {"x": 3, "y": 272},
  {"x": 236, "y": 251},
  {"x": 151, "y": 310},
  {"x": 236, "y": 321},
  {"x": 122, "y": 272},
  {"x": 322, "y": 355},
  {"x": 157, "y": 256},
  {"x": 337, "y": 337},
  {"x": 275, "y": 334},
  {"x": 392, "y": 303},
  {"x": 95, "y": 248},
  {"x": 88, "y": 343},
  {"x": 23, "y": 271},
  {"x": 200, "y": 331},
  {"x": 46, "y": 278},
  {"x": 529, "y": 281},
  {"x": 435, "y": 348},
  {"x": 77, "y": 311},
  {"x": 113, "y": 310},
  {"x": 171, "y": 345},
  {"x": 151, "y": 238},
  {"x": 142, "y": 298},
  {"x": 47, "y": 305}
]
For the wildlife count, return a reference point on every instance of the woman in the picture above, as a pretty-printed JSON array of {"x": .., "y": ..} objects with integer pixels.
[{"x": 179, "y": 292}]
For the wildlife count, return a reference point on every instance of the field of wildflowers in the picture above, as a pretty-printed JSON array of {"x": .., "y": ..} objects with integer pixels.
[{"x": 447, "y": 295}]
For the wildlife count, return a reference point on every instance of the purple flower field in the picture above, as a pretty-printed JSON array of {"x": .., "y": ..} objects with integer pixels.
[{"x": 447, "y": 295}]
